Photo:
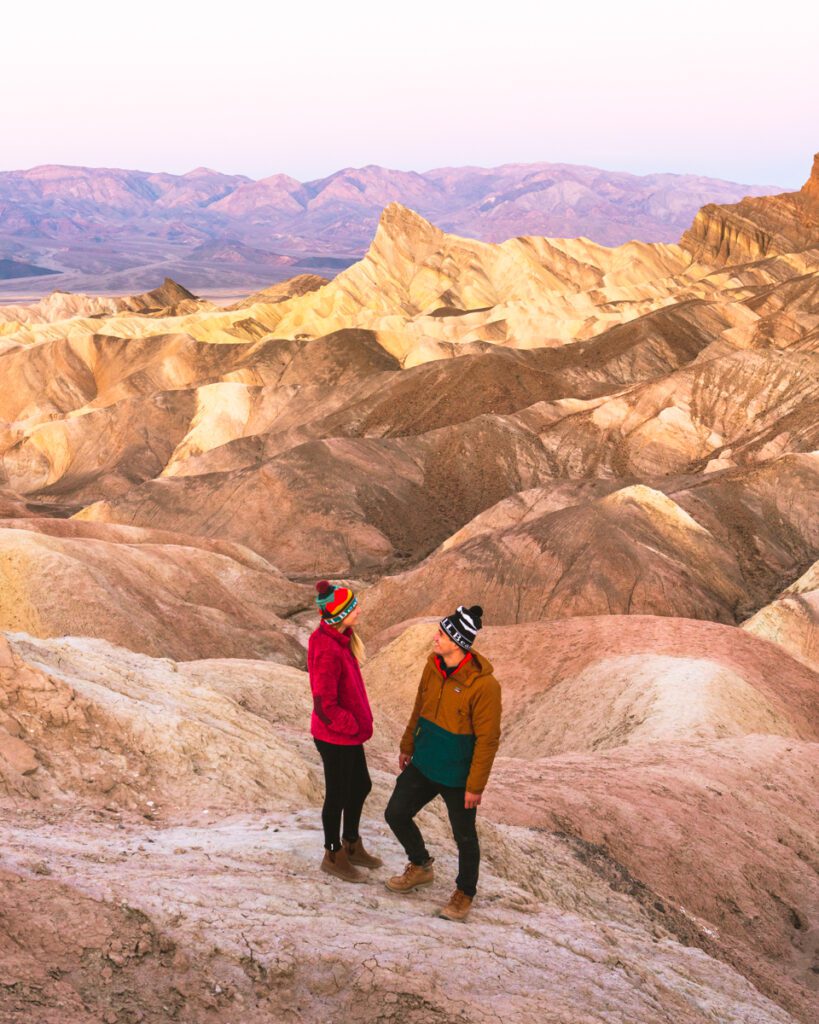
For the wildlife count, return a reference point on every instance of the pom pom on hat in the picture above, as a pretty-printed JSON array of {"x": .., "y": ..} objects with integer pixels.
[
  {"x": 325, "y": 593},
  {"x": 476, "y": 614}
]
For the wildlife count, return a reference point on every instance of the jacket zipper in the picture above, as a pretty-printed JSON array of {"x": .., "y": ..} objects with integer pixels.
[
  {"x": 440, "y": 695},
  {"x": 444, "y": 681}
]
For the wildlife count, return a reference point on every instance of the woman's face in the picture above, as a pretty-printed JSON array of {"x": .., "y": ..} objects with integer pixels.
[{"x": 352, "y": 618}]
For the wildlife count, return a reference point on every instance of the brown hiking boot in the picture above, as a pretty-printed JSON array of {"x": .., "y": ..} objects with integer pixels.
[
  {"x": 458, "y": 907},
  {"x": 356, "y": 854},
  {"x": 338, "y": 864},
  {"x": 415, "y": 876}
]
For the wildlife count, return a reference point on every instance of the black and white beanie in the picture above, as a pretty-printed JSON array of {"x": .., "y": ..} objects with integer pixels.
[{"x": 462, "y": 626}]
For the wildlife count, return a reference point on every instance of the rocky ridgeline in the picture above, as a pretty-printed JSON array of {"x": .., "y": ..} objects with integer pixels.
[{"x": 754, "y": 228}]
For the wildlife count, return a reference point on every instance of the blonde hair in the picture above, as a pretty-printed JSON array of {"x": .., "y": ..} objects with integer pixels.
[{"x": 357, "y": 647}]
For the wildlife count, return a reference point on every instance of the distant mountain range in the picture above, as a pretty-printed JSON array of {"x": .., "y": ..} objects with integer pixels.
[{"x": 106, "y": 229}]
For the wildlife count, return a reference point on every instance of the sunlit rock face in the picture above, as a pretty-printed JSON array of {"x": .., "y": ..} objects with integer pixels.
[
  {"x": 756, "y": 228},
  {"x": 792, "y": 620}
]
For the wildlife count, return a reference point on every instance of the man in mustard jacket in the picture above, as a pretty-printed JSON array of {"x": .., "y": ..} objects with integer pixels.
[{"x": 447, "y": 749}]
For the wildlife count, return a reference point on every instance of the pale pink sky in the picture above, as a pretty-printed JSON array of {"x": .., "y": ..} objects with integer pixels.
[{"x": 726, "y": 89}]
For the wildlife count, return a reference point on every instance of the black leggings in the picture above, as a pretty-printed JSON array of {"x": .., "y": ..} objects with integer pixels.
[{"x": 347, "y": 785}]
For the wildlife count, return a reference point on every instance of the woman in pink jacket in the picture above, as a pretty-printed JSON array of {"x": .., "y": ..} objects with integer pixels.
[{"x": 341, "y": 724}]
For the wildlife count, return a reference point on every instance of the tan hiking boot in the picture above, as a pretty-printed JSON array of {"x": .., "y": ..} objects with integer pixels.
[
  {"x": 356, "y": 854},
  {"x": 415, "y": 876},
  {"x": 458, "y": 907},
  {"x": 338, "y": 865}
]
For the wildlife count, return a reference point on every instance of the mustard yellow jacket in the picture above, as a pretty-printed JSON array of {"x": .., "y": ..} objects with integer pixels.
[{"x": 454, "y": 730}]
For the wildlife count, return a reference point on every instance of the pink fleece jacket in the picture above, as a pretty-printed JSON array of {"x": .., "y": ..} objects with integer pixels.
[{"x": 341, "y": 709}]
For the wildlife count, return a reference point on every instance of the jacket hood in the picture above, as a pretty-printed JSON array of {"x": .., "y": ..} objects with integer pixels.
[{"x": 483, "y": 665}]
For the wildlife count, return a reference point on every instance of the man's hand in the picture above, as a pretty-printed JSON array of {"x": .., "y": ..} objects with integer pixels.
[
  {"x": 471, "y": 800},
  {"x": 403, "y": 761}
]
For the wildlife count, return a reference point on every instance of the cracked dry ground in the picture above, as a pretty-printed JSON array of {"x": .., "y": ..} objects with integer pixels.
[{"x": 111, "y": 918}]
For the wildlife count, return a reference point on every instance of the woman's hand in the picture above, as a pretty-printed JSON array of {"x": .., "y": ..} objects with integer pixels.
[
  {"x": 403, "y": 761},
  {"x": 471, "y": 800}
]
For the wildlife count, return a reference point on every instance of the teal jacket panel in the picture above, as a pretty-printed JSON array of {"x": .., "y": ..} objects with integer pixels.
[{"x": 444, "y": 757}]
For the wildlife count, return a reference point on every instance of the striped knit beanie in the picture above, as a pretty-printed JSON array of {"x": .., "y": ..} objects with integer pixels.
[
  {"x": 462, "y": 625},
  {"x": 335, "y": 603}
]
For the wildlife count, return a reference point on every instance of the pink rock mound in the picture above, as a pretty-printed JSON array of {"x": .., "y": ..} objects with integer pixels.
[{"x": 719, "y": 836}]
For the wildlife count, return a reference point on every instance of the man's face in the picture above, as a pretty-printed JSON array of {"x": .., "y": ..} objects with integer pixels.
[{"x": 442, "y": 645}]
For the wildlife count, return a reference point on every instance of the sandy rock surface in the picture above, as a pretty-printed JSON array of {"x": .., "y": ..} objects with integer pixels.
[{"x": 153, "y": 592}]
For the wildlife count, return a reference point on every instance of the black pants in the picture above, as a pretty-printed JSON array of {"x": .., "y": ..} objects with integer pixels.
[
  {"x": 413, "y": 790},
  {"x": 347, "y": 785}
]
